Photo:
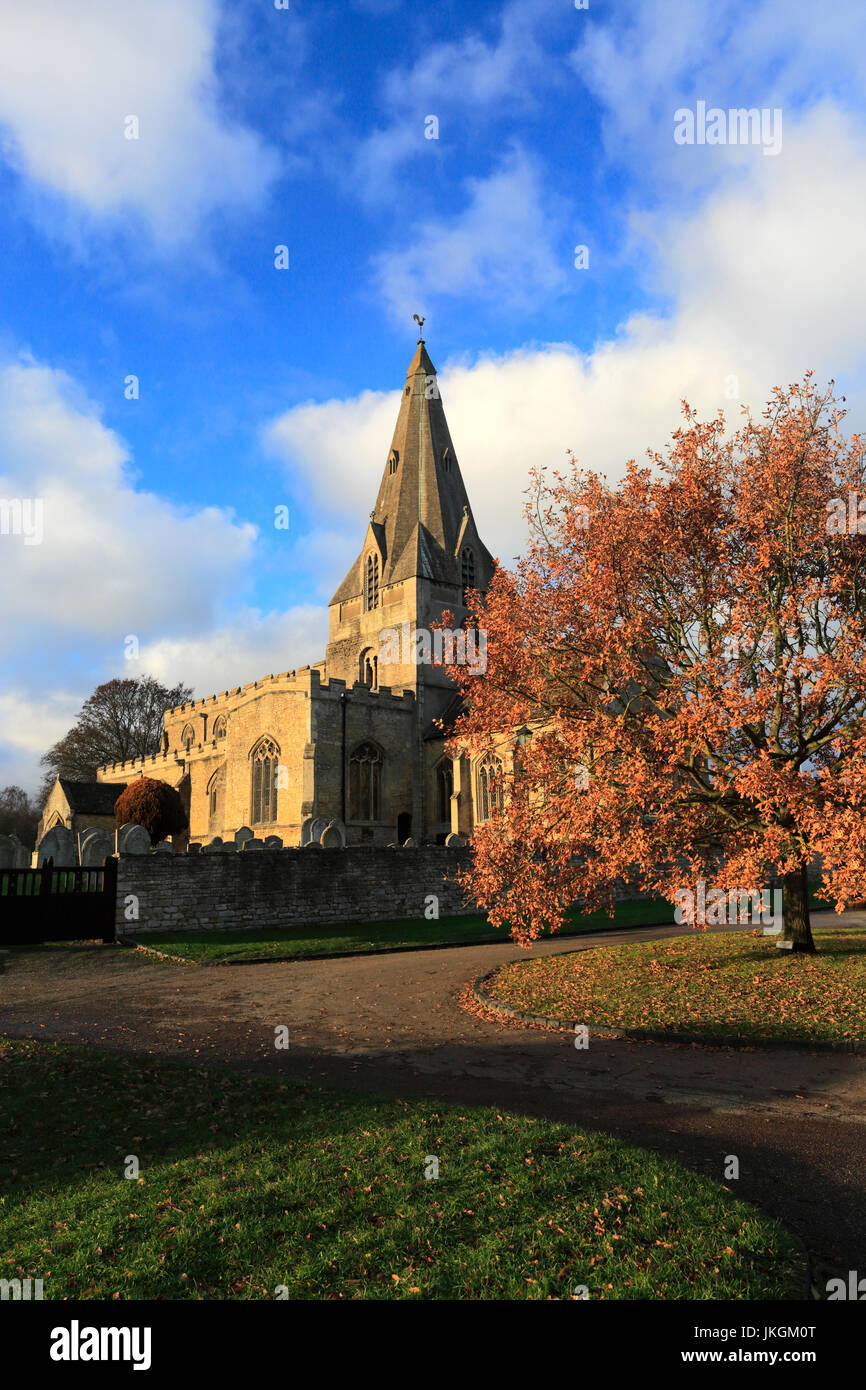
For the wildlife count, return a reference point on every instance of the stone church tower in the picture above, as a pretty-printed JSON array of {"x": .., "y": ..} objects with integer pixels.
[
  {"x": 421, "y": 550},
  {"x": 354, "y": 739}
]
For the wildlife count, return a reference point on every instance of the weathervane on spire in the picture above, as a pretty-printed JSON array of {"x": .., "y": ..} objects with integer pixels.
[{"x": 420, "y": 322}]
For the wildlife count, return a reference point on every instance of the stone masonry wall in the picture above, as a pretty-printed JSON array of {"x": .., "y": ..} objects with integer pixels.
[{"x": 285, "y": 888}]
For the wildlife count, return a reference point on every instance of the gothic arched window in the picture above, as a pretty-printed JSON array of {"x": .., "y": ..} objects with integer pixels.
[
  {"x": 394, "y": 461},
  {"x": 219, "y": 726},
  {"x": 263, "y": 801},
  {"x": 467, "y": 570},
  {"x": 187, "y": 738},
  {"x": 446, "y": 460},
  {"x": 489, "y": 788},
  {"x": 371, "y": 583},
  {"x": 369, "y": 669},
  {"x": 215, "y": 790},
  {"x": 365, "y": 783},
  {"x": 445, "y": 788}
]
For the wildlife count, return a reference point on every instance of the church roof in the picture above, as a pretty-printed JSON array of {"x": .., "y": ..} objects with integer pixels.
[
  {"x": 422, "y": 509},
  {"x": 91, "y": 798}
]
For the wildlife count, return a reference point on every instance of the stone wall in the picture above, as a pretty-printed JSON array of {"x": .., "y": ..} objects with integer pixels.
[{"x": 232, "y": 891}]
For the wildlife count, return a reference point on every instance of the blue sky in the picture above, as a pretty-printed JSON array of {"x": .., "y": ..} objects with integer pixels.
[{"x": 714, "y": 272}]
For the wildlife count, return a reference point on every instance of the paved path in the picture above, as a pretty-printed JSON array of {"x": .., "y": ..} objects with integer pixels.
[{"x": 393, "y": 1024}]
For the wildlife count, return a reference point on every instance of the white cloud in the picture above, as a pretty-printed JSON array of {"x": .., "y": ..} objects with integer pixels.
[
  {"x": 112, "y": 560},
  {"x": 460, "y": 81},
  {"x": 115, "y": 562},
  {"x": 246, "y": 647},
  {"x": 71, "y": 74},
  {"x": 501, "y": 249},
  {"x": 32, "y": 725},
  {"x": 314, "y": 438},
  {"x": 660, "y": 56},
  {"x": 764, "y": 283},
  {"x": 29, "y": 724}
]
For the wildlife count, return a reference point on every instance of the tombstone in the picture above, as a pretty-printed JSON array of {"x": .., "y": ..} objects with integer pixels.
[
  {"x": 273, "y": 842},
  {"x": 215, "y": 846},
  {"x": 246, "y": 845},
  {"x": 96, "y": 846},
  {"x": 411, "y": 843},
  {"x": 194, "y": 847},
  {"x": 243, "y": 836},
  {"x": 316, "y": 829},
  {"x": 229, "y": 847},
  {"x": 7, "y": 852},
  {"x": 21, "y": 854},
  {"x": 333, "y": 836},
  {"x": 454, "y": 841},
  {"x": 306, "y": 826},
  {"x": 58, "y": 845},
  {"x": 133, "y": 839},
  {"x": 164, "y": 847}
]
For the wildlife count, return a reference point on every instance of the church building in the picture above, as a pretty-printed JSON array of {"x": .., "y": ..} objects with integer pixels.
[{"x": 357, "y": 740}]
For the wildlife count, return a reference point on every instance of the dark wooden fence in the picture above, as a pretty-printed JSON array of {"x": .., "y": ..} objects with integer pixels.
[{"x": 49, "y": 904}]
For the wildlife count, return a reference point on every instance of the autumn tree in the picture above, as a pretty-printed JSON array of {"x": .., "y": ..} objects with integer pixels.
[
  {"x": 153, "y": 804},
  {"x": 689, "y": 649},
  {"x": 122, "y": 719}
]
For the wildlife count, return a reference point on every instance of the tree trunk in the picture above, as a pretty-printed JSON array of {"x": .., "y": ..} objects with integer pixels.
[{"x": 796, "y": 926}]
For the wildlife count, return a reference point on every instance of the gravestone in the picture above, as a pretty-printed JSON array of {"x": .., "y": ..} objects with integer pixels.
[
  {"x": 453, "y": 840},
  {"x": 214, "y": 846},
  {"x": 306, "y": 827},
  {"x": 244, "y": 835},
  {"x": 133, "y": 839},
  {"x": 7, "y": 852},
  {"x": 316, "y": 829},
  {"x": 21, "y": 854},
  {"x": 59, "y": 845},
  {"x": 332, "y": 837},
  {"x": 273, "y": 842},
  {"x": 250, "y": 844},
  {"x": 96, "y": 846},
  {"x": 411, "y": 843},
  {"x": 194, "y": 847},
  {"x": 164, "y": 847}
]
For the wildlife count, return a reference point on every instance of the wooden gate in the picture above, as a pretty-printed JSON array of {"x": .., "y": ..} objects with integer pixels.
[{"x": 49, "y": 904}]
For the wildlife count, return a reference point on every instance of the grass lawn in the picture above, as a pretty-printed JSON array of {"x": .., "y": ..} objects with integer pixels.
[
  {"x": 736, "y": 985},
  {"x": 247, "y": 1184},
  {"x": 363, "y": 937}
]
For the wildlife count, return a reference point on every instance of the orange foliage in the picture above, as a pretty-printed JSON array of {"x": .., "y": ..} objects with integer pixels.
[{"x": 694, "y": 637}]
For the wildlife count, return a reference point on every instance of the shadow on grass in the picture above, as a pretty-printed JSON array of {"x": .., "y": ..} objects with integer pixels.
[{"x": 247, "y": 1184}]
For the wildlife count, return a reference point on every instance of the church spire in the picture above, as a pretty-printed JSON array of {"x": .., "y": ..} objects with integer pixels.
[{"x": 422, "y": 516}]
